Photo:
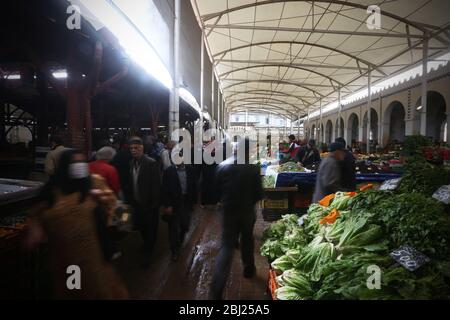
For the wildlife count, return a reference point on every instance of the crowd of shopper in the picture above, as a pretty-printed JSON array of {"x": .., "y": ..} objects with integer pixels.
[{"x": 78, "y": 203}]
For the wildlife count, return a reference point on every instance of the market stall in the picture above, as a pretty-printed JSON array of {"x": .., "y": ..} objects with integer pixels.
[{"x": 349, "y": 244}]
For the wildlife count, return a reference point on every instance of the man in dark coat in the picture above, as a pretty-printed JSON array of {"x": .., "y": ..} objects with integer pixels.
[
  {"x": 179, "y": 194},
  {"x": 145, "y": 186},
  {"x": 348, "y": 168},
  {"x": 239, "y": 188},
  {"x": 308, "y": 154}
]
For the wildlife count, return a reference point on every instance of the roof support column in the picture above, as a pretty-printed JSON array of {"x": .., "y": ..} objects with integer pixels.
[
  {"x": 307, "y": 133},
  {"x": 298, "y": 126},
  {"x": 423, "y": 111},
  {"x": 369, "y": 110},
  {"x": 321, "y": 135},
  {"x": 339, "y": 114},
  {"x": 174, "y": 123}
]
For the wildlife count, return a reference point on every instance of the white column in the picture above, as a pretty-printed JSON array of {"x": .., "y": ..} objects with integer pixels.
[
  {"x": 213, "y": 113},
  {"x": 448, "y": 127},
  {"x": 381, "y": 123},
  {"x": 298, "y": 126},
  {"x": 174, "y": 114},
  {"x": 369, "y": 113},
  {"x": 322, "y": 134},
  {"x": 308, "y": 131},
  {"x": 339, "y": 114},
  {"x": 202, "y": 79},
  {"x": 423, "y": 111}
]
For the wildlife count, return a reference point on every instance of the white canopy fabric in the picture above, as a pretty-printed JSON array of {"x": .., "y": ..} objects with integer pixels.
[{"x": 287, "y": 56}]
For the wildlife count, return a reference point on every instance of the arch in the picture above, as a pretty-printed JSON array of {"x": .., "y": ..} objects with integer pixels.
[
  {"x": 436, "y": 115},
  {"x": 352, "y": 129},
  {"x": 284, "y": 66},
  {"x": 373, "y": 126},
  {"x": 341, "y": 128},
  {"x": 263, "y": 98},
  {"x": 275, "y": 81},
  {"x": 394, "y": 121},
  {"x": 223, "y": 53},
  {"x": 259, "y": 107},
  {"x": 339, "y": 2},
  {"x": 328, "y": 132},
  {"x": 271, "y": 92}
]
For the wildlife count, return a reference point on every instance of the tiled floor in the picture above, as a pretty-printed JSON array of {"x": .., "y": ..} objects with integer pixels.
[{"x": 190, "y": 276}]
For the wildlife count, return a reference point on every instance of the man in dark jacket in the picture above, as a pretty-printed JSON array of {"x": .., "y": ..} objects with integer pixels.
[
  {"x": 240, "y": 188},
  {"x": 308, "y": 154},
  {"x": 179, "y": 194},
  {"x": 145, "y": 183},
  {"x": 348, "y": 168},
  {"x": 329, "y": 176}
]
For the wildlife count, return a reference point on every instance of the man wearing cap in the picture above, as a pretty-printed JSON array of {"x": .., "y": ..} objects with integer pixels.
[
  {"x": 308, "y": 154},
  {"x": 329, "y": 176},
  {"x": 145, "y": 185}
]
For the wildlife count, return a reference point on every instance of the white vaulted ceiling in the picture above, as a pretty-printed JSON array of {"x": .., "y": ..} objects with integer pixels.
[{"x": 289, "y": 56}]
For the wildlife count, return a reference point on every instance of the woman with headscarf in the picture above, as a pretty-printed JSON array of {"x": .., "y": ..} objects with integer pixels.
[{"x": 67, "y": 217}]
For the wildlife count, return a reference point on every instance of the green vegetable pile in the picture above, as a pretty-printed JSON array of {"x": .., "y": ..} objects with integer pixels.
[
  {"x": 423, "y": 177},
  {"x": 333, "y": 261},
  {"x": 269, "y": 182},
  {"x": 290, "y": 167}
]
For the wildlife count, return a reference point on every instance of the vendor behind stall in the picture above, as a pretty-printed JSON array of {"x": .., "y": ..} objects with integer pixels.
[
  {"x": 329, "y": 176},
  {"x": 308, "y": 154}
]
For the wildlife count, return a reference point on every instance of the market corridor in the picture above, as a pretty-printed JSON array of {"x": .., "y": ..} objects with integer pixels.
[{"x": 190, "y": 276}]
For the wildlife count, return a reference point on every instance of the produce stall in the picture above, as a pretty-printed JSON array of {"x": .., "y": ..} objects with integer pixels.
[
  {"x": 370, "y": 244},
  {"x": 290, "y": 175},
  {"x": 16, "y": 198}
]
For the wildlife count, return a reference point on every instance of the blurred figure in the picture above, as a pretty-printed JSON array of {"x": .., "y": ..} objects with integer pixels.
[
  {"x": 70, "y": 201},
  {"x": 145, "y": 183},
  {"x": 239, "y": 187},
  {"x": 292, "y": 143},
  {"x": 208, "y": 172},
  {"x": 108, "y": 172},
  {"x": 121, "y": 162},
  {"x": 348, "y": 168},
  {"x": 102, "y": 167},
  {"x": 329, "y": 175},
  {"x": 308, "y": 154},
  {"x": 52, "y": 158},
  {"x": 166, "y": 154},
  {"x": 179, "y": 194}
]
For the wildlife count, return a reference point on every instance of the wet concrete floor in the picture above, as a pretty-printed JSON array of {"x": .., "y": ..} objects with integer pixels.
[{"x": 189, "y": 278}]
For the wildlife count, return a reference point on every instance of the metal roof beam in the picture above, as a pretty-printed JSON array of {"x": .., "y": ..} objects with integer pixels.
[
  {"x": 271, "y": 93},
  {"x": 274, "y": 81},
  {"x": 321, "y": 31},
  {"x": 306, "y": 65},
  {"x": 287, "y": 82},
  {"x": 260, "y": 106},
  {"x": 284, "y": 66},
  {"x": 258, "y": 99},
  {"x": 223, "y": 53},
  {"x": 416, "y": 25}
]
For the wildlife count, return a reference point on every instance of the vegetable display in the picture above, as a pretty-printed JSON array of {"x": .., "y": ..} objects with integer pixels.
[
  {"x": 290, "y": 167},
  {"x": 269, "y": 182},
  {"x": 327, "y": 253}
]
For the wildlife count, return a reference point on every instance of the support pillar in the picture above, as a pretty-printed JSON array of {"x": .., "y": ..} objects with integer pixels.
[
  {"x": 369, "y": 111},
  {"x": 174, "y": 113},
  {"x": 424, "y": 87}
]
